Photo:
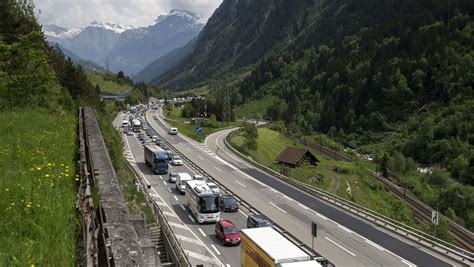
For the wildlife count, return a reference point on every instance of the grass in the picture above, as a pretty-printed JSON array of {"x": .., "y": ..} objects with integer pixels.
[
  {"x": 254, "y": 107},
  {"x": 39, "y": 224},
  {"x": 335, "y": 176},
  {"x": 107, "y": 86},
  {"x": 136, "y": 200}
]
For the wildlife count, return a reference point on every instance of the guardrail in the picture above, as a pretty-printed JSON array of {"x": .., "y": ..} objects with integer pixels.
[
  {"x": 437, "y": 245},
  {"x": 175, "y": 246},
  {"x": 249, "y": 208}
]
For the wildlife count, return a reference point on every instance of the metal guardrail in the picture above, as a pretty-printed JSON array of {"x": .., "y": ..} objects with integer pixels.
[
  {"x": 249, "y": 208},
  {"x": 178, "y": 251},
  {"x": 437, "y": 245}
]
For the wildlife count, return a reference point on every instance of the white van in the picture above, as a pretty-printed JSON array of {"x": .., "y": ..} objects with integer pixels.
[
  {"x": 173, "y": 131},
  {"x": 181, "y": 181},
  {"x": 125, "y": 123}
]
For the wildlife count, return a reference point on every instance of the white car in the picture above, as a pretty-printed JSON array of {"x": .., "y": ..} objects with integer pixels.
[
  {"x": 177, "y": 161},
  {"x": 214, "y": 187},
  {"x": 198, "y": 177}
]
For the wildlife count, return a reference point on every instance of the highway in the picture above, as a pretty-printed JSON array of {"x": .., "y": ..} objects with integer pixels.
[{"x": 342, "y": 238}]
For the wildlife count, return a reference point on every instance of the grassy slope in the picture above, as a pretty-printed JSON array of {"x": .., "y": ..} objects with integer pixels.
[
  {"x": 37, "y": 179},
  {"x": 254, "y": 107},
  {"x": 366, "y": 190},
  {"x": 107, "y": 86}
]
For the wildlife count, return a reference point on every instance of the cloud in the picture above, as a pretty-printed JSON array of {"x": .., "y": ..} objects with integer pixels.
[{"x": 79, "y": 13}]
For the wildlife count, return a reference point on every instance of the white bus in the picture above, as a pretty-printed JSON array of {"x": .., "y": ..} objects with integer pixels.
[{"x": 202, "y": 201}]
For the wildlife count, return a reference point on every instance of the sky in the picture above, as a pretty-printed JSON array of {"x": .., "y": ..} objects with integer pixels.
[{"x": 79, "y": 13}]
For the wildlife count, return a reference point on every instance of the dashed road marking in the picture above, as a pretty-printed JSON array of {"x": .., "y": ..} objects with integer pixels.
[
  {"x": 215, "y": 249},
  {"x": 169, "y": 189},
  {"x": 177, "y": 225},
  {"x": 341, "y": 247},
  {"x": 218, "y": 169},
  {"x": 345, "y": 229},
  {"x": 240, "y": 184},
  {"x": 175, "y": 197},
  {"x": 188, "y": 239},
  {"x": 182, "y": 206},
  {"x": 271, "y": 203},
  {"x": 191, "y": 218},
  {"x": 375, "y": 245},
  {"x": 198, "y": 256},
  {"x": 170, "y": 214},
  {"x": 303, "y": 206},
  {"x": 201, "y": 231}
]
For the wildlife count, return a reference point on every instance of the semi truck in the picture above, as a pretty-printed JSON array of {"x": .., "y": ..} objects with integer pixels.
[
  {"x": 156, "y": 158},
  {"x": 267, "y": 247},
  {"x": 137, "y": 125}
]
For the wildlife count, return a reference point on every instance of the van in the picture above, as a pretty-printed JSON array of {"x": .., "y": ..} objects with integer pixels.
[
  {"x": 181, "y": 181},
  {"x": 198, "y": 177},
  {"x": 258, "y": 220},
  {"x": 173, "y": 131}
]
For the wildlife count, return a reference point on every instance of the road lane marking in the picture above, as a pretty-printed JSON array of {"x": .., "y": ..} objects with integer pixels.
[
  {"x": 215, "y": 249},
  {"x": 169, "y": 213},
  {"x": 341, "y": 247},
  {"x": 344, "y": 228},
  {"x": 169, "y": 189},
  {"x": 188, "y": 239},
  {"x": 160, "y": 177},
  {"x": 240, "y": 184},
  {"x": 303, "y": 206},
  {"x": 200, "y": 157},
  {"x": 182, "y": 206},
  {"x": 227, "y": 265},
  {"x": 287, "y": 197},
  {"x": 201, "y": 231},
  {"x": 178, "y": 225},
  {"x": 322, "y": 216},
  {"x": 175, "y": 197},
  {"x": 191, "y": 218},
  {"x": 164, "y": 183},
  {"x": 198, "y": 256},
  {"x": 408, "y": 263},
  {"x": 276, "y": 207},
  {"x": 218, "y": 169},
  {"x": 375, "y": 245}
]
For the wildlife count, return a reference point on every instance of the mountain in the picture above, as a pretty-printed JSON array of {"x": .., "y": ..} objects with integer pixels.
[
  {"x": 124, "y": 47},
  {"x": 240, "y": 33},
  {"x": 153, "y": 72},
  {"x": 86, "y": 64}
]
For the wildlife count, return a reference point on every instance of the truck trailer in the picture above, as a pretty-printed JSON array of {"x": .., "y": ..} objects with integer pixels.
[
  {"x": 156, "y": 158},
  {"x": 137, "y": 125},
  {"x": 266, "y": 247}
]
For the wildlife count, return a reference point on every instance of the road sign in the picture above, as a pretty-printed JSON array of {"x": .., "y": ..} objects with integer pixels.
[
  {"x": 198, "y": 130},
  {"x": 434, "y": 217},
  {"x": 314, "y": 229}
]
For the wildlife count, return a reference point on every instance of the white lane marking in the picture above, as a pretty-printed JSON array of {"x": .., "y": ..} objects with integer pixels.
[
  {"x": 182, "y": 206},
  {"x": 215, "y": 249},
  {"x": 276, "y": 207},
  {"x": 188, "y": 239},
  {"x": 169, "y": 189},
  {"x": 321, "y": 216},
  {"x": 227, "y": 265},
  {"x": 164, "y": 183},
  {"x": 191, "y": 218},
  {"x": 169, "y": 213},
  {"x": 200, "y": 158},
  {"x": 175, "y": 197},
  {"x": 408, "y": 263},
  {"x": 274, "y": 190},
  {"x": 218, "y": 169},
  {"x": 345, "y": 229},
  {"x": 198, "y": 256},
  {"x": 341, "y": 247},
  {"x": 240, "y": 184},
  {"x": 303, "y": 206},
  {"x": 178, "y": 225},
  {"x": 160, "y": 177},
  {"x": 287, "y": 197},
  {"x": 374, "y": 245},
  {"x": 201, "y": 231}
]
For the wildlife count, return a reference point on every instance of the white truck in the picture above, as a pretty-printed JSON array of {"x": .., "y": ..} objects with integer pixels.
[
  {"x": 181, "y": 181},
  {"x": 137, "y": 125},
  {"x": 267, "y": 247}
]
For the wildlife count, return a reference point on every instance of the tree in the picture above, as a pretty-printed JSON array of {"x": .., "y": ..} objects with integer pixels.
[
  {"x": 120, "y": 75},
  {"x": 250, "y": 133}
]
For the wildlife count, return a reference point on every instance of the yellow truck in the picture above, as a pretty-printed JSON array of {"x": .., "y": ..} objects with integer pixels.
[{"x": 265, "y": 247}]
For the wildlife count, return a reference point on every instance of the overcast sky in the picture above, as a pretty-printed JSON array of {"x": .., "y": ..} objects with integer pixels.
[{"x": 79, "y": 13}]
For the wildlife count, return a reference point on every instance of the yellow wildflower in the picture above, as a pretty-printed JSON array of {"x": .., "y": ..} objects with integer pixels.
[{"x": 38, "y": 168}]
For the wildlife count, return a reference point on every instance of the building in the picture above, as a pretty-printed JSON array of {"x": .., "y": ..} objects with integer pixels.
[{"x": 295, "y": 157}]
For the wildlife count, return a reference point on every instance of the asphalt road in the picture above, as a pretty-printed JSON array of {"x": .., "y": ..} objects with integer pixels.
[{"x": 342, "y": 238}]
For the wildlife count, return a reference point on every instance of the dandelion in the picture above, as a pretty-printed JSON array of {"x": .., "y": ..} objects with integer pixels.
[
  {"x": 28, "y": 206},
  {"x": 38, "y": 168},
  {"x": 46, "y": 175},
  {"x": 77, "y": 179},
  {"x": 49, "y": 164},
  {"x": 6, "y": 189}
]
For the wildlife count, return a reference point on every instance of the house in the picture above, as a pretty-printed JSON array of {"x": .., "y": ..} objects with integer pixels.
[{"x": 295, "y": 157}]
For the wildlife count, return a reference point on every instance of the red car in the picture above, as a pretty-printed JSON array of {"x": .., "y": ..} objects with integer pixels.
[{"x": 227, "y": 232}]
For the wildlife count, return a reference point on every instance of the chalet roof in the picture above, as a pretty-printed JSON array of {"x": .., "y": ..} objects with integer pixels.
[{"x": 292, "y": 155}]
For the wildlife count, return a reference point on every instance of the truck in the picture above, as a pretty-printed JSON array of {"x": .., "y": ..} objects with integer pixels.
[
  {"x": 137, "y": 125},
  {"x": 267, "y": 247},
  {"x": 181, "y": 181},
  {"x": 156, "y": 158}
]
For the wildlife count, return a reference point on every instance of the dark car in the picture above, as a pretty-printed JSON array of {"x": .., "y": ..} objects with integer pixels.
[
  {"x": 141, "y": 136},
  {"x": 164, "y": 146},
  {"x": 258, "y": 220},
  {"x": 228, "y": 203},
  {"x": 227, "y": 232},
  {"x": 170, "y": 154}
]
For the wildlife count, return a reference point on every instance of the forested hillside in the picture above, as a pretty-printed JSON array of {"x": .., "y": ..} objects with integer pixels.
[{"x": 389, "y": 78}]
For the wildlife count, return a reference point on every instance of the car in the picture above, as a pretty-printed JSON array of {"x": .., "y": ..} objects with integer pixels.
[
  {"x": 198, "y": 177},
  {"x": 173, "y": 131},
  {"x": 227, "y": 232},
  {"x": 172, "y": 177},
  {"x": 130, "y": 132},
  {"x": 146, "y": 142},
  {"x": 171, "y": 154},
  {"x": 154, "y": 138},
  {"x": 258, "y": 220},
  {"x": 176, "y": 160},
  {"x": 164, "y": 146},
  {"x": 141, "y": 136},
  {"x": 214, "y": 187},
  {"x": 228, "y": 203}
]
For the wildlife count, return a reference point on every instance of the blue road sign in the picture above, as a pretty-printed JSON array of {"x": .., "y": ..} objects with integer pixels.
[{"x": 198, "y": 130}]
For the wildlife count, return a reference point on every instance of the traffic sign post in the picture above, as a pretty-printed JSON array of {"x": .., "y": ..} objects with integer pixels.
[
  {"x": 198, "y": 130},
  {"x": 434, "y": 220},
  {"x": 314, "y": 232}
]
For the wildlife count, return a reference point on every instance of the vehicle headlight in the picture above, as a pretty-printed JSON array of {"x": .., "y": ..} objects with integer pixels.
[{"x": 227, "y": 239}]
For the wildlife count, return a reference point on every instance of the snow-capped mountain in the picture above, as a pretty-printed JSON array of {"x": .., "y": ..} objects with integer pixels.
[{"x": 127, "y": 48}]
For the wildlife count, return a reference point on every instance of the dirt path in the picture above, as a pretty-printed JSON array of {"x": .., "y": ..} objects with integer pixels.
[{"x": 335, "y": 183}]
